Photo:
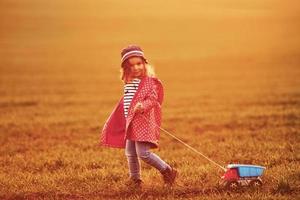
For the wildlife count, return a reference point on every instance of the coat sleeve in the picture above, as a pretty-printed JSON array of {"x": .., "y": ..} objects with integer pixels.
[{"x": 153, "y": 98}]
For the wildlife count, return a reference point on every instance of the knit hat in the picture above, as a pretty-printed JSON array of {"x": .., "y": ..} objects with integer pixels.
[{"x": 131, "y": 51}]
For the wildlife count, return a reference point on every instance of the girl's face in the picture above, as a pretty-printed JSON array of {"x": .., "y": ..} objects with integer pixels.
[{"x": 137, "y": 67}]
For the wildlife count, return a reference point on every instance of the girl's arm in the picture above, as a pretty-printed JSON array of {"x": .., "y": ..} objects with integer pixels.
[{"x": 149, "y": 102}]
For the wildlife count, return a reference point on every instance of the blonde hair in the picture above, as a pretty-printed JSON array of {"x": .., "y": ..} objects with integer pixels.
[{"x": 125, "y": 71}]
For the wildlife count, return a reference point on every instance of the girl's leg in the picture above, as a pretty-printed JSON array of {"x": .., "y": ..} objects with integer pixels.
[
  {"x": 143, "y": 152},
  {"x": 133, "y": 161}
]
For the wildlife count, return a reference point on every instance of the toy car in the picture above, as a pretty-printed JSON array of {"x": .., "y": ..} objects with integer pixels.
[{"x": 237, "y": 175}]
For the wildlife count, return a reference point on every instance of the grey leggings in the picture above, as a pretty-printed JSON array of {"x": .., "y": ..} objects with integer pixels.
[{"x": 135, "y": 150}]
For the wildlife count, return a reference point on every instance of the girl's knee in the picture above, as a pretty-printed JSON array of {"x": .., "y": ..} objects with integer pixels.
[
  {"x": 143, "y": 155},
  {"x": 142, "y": 150}
]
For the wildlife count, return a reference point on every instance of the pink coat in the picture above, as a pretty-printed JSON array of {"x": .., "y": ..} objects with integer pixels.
[{"x": 137, "y": 127}]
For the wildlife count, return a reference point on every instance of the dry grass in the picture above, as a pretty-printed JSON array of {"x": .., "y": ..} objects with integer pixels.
[{"x": 231, "y": 76}]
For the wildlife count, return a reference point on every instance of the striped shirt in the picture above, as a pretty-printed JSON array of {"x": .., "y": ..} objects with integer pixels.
[{"x": 129, "y": 91}]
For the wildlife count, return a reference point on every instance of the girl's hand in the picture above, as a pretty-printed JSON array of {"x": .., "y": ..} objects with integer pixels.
[{"x": 138, "y": 108}]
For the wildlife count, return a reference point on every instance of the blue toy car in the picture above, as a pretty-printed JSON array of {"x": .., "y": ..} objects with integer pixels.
[{"x": 238, "y": 175}]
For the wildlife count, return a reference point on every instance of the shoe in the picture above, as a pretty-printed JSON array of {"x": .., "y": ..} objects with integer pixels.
[
  {"x": 169, "y": 175},
  {"x": 134, "y": 183}
]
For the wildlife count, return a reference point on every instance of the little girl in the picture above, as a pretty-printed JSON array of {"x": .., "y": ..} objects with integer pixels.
[{"x": 135, "y": 121}]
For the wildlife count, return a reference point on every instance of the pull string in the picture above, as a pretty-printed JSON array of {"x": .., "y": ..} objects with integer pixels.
[{"x": 185, "y": 144}]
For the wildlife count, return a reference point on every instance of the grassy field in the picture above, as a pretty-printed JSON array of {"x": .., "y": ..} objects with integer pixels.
[{"x": 231, "y": 75}]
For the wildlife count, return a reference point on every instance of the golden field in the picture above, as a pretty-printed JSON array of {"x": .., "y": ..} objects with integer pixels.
[{"x": 231, "y": 75}]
